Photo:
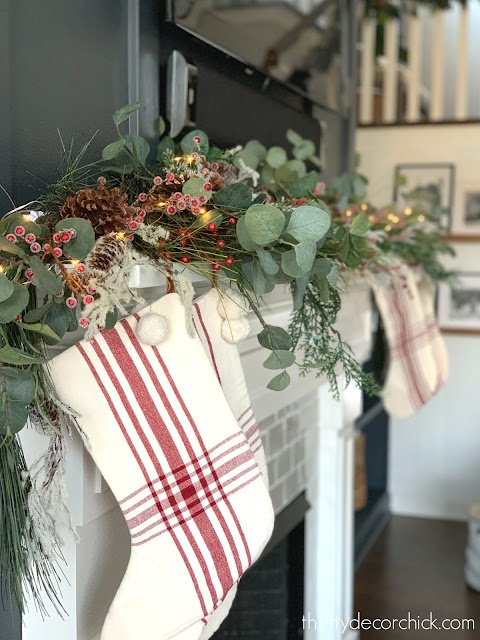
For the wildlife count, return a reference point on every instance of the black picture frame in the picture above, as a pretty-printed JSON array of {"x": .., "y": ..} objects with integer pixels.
[{"x": 438, "y": 191}]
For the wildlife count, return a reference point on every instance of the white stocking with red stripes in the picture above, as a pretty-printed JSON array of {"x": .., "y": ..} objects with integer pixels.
[
  {"x": 167, "y": 443},
  {"x": 412, "y": 374}
]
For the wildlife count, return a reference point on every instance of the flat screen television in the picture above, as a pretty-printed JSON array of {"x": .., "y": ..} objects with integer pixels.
[{"x": 300, "y": 43}]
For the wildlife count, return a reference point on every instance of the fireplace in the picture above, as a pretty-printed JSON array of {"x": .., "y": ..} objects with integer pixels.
[{"x": 270, "y": 599}]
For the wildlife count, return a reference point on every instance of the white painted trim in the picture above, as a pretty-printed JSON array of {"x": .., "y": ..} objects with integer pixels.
[
  {"x": 461, "y": 93},
  {"x": 438, "y": 66},
  {"x": 413, "y": 76},
  {"x": 367, "y": 70},
  {"x": 390, "y": 71}
]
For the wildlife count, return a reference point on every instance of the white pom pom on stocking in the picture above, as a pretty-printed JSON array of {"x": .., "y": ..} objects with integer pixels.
[
  {"x": 412, "y": 372},
  {"x": 180, "y": 467}
]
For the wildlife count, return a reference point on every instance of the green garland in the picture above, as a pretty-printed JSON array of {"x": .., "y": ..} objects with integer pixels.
[{"x": 258, "y": 217}]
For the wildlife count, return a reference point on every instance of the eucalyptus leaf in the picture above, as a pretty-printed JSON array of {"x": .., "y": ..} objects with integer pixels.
[
  {"x": 161, "y": 126},
  {"x": 58, "y": 319},
  {"x": 279, "y": 382},
  {"x": 294, "y": 138},
  {"x": 286, "y": 177},
  {"x": 308, "y": 223},
  {"x": 10, "y": 247},
  {"x": 298, "y": 166},
  {"x": 279, "y": 359},
  {"x": 243, "y": 236},
  {"x": 189, "y": 145},
  {"x": 234, "y": 197},
  {"x": 332, "y": 276},
  {"x": 259, "y": 278},
  {"x": 45, "y": 280},
  {"x": 194, "y": 188},
  {"x": 15, "y": 304},
  {"x": 77, "y": 248},
  {"x": 18, "y": 384},
  {"x": 304, "y": 186},
  {"x": 112, "y": 150},
  {"x": 267, "y": 176},
  {"x": 267, "y": 261},
  {"x": 304, "y": 151},
  {"x": 322, "y": 265},
  {"x": 137, "y": 146},
  {"x": 276, "y": 156},
  {"x": 323, "y": 289},
  {"x": 260, "y": 199},
  {"x": 281, "y": 277},
  {"x": 305, "y": 252},
  {"x": 290, "y": 264},
  {"x": 299, "y": 289},
  {"x": 13, "y": 415},
  {"x": 252, "y": 154},
  {"x": 125, "y": 112},
  {"x": 111, "y": 319},
  {"x": 166, "y": 146},
  {"x": 37, "y": 314},
  {"x": 40, "y": 327},
  {"x": 17, "y": 357},
  {"x": 6, "y": 287},
  {"x": 360, "y": 225},
  {"x": 272, "y": 338},
  {"x": 264, "y": 223}
]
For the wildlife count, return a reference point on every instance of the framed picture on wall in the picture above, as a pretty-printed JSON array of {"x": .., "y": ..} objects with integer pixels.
[
  {"x": 426, "y": 187},
  {"x": 458, "y": 304},
  {"x": 466, "y": 217}
]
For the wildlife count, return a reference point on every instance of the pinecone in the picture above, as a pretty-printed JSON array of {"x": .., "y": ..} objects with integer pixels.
[
  {"x": 106, "y": 252},
  {"x": 105, "y": 208}
]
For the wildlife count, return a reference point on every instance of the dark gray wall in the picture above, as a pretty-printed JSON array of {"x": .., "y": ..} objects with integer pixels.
[{"x": 63, "y": 65}]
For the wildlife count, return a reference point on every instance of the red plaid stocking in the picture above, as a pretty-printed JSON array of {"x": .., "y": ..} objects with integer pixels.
[
  {"x": 426, "y": 290},
  {"x": 412, "y": 373},
  {"x": 213, "y": 315},
  {"x": 166, "y": 442}
]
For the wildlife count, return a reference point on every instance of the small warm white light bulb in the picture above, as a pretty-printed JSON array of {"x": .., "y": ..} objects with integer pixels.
[
  {"x": 203, "y": 210},
  {"x": 74, "y": 262},
  {"x": 388, "y": 227},
  {"x": 27, "y": 217},
  {"x": 364, "y": 207},
  {"x": 2, "y": 268},
  {"x": 348, "y": 212},
  {"x": 408, "y": 211},
  {"x": 421, "y": 218},
  {"x": 121, "y": 235}
]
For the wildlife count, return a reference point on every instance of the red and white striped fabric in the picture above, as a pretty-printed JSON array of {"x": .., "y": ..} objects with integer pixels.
[
  {"x": 180, "y": 467},
  {"x": 227, "y": 365},
  {"x": 427, "y": 291},
  {"x": 228, "y": 368},
  {"x": 412, "y": 372}
]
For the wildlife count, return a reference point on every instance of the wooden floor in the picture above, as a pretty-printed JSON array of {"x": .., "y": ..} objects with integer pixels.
[{"x": 416, "y": 566}]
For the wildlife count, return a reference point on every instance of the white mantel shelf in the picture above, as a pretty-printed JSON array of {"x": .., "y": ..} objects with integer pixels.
[{"x": 95, "y": 566}]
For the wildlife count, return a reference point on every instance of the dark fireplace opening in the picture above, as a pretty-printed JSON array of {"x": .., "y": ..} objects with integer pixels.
[{"x": 269, "y": 601}]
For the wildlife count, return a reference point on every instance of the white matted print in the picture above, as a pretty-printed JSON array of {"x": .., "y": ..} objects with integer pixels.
[
  {"x": 459, "y": 303},
  {"x": 427, "y": 188}
]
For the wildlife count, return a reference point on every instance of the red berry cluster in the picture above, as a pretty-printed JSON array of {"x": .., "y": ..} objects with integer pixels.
[{"x": 136, "y": 219}]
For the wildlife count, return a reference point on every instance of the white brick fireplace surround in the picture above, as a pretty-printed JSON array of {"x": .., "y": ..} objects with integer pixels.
[{"x": 308, "y": 439}]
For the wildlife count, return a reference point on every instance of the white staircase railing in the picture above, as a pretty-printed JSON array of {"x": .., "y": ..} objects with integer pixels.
[{"x": 427, "y": 71}]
